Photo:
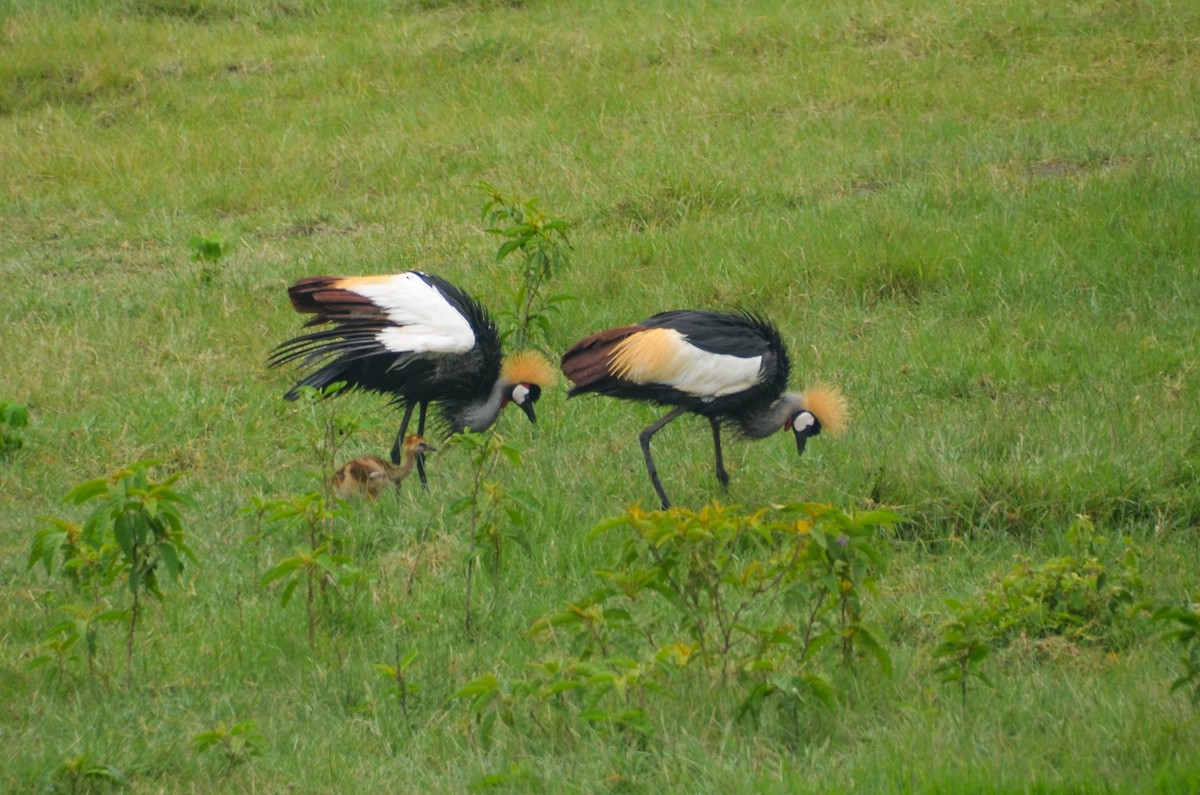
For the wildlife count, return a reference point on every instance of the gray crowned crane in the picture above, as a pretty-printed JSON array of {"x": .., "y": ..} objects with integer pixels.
[
  {"x": 730, "y": 368},
  {"x": 416, "y": 338},
  {"x": 367, "y": 475}
]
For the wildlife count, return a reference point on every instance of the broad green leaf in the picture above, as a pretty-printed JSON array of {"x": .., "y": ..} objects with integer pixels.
[
  {"x": 87, "y": 490},
  {"x": 123, "y": 531},
  {"x": 281, "y": 569},
  {"x": 46, "y": 543},
  {"x": 286, "y": 595},
  {"x": 979, "y": 651},
  {"x": 484, "y": 684},
  {"x": 511, "y": 453},
  {"x": 563, "y": 687},
  {"x": 507, "y": 248},
  {"x": 868, "y": 638},
  {"x": 878, "y": 518},
  {"x": 170, "y": 559}
]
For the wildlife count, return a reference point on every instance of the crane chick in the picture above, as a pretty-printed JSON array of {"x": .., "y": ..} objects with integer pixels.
[
  {"x": 367, "y": 475},
  {"x": 729, "y": 368}
]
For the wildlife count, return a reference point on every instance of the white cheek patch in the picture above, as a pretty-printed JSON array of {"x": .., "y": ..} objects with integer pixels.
[
  {"x": 519, "y": 393},
  {"x": 803, "y": 421}
]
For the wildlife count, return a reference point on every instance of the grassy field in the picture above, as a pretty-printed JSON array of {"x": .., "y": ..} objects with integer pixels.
[{"x": 980, "y": 220}]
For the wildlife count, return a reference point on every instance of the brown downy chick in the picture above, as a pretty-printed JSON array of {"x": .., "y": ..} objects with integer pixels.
[{"x": 368, "y": 475}]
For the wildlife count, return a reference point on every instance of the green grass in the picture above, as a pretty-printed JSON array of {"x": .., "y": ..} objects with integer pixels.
[{"x": 981, "y": 220}]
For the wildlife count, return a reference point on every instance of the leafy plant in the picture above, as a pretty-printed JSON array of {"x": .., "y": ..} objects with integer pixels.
[
  {"x": 135, "y": 531},
  {"x": 495, "y": 515},
  {"x": 1185, "y": 633},
  {"x": 76, "y": 623},
  {"x": 238, "y": 743},
  {"x": 77, "y": 774},
  {"x": 13, "y": 417},
  {"x": 207, "y": 248},
  {"x": 265, "y": 513},
  {"x": 608, "y": 695},
  {"x": 965, "y": 645},
  {"x": 1084, "y": 596},
  {"x": 716, "y": 596},
  {"x": 727, "y": 579},
  {"x": 318, "y": 560},
  {"x": 401, "y": 688},
  {"x": 310, "y": 566},
  {"x": 310, "y": 514},
  {"x": 541, "y": 241},
  {"x": 79, "y": 562}
]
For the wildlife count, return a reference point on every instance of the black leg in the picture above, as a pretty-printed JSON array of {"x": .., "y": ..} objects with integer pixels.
[
  {"x": 722, "y": 475},
  {"x": 645, "y": 440},
  {"x": 421, "y": 456},
  {"x": 398, "y": 447}
]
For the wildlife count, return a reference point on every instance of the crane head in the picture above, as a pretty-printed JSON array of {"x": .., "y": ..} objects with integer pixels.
[
  {"x": 525, "y": 395},
  {"x": 528, "y": 372},
  {"x": 821, "y": 407},
  {"x": 804, "y": 424}
]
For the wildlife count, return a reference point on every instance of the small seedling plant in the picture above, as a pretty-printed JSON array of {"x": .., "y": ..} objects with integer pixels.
[
  {"x": 13, "y": 418},
  {"x": 610, "y": 695},
  {"x": 540, "y": 244},
  {"x": 81, "y": 605},
  {"x": 495, "y": 515},
  {"x": 400, "y": 687},
  {"x": 76, "y": 623},
  {"x": 82, "y": 773},
  {"x": 207, "y": 248},
  {"x": 133, "y": 535},
  {"x": 965, "y": 644},
  {"x": 237, "y": 743},
  {"x": 316, "y": 563}
]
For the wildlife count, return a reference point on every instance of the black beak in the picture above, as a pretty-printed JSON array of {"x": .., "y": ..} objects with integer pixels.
[
  {"x": 801, "y": 440},
  {"x": 527, "y": 407}
]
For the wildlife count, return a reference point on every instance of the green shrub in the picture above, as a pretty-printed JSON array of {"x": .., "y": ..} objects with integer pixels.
[
  {"x": 1088, "y": 596},
  {"x": 13, "y": 417},
  {"x": 703, "y": 599},
  {"x": 134, "y": 533}
]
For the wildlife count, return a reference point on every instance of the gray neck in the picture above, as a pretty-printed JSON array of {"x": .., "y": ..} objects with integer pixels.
[
  {"x": 478, "y": 417},
  {"x": 772, "y": 418}
]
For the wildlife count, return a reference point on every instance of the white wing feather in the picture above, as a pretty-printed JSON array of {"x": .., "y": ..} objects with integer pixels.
[
  {"x": 664, "y": 356},
  {"x": 425, "y": 321},
  {"x": 714, "y": 375}
]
